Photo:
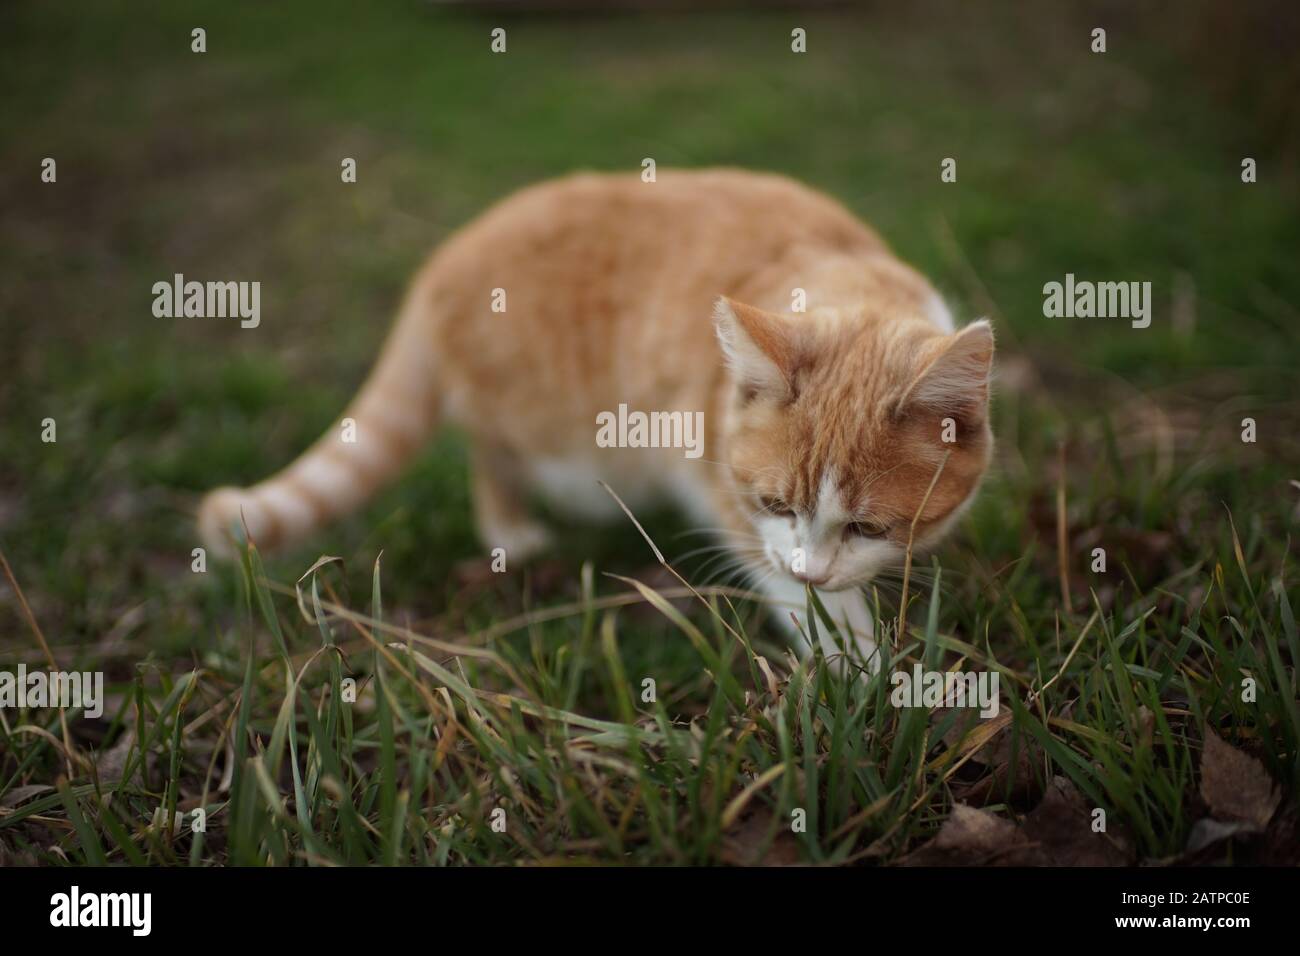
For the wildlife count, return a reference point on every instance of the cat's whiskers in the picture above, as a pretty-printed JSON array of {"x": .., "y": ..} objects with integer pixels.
[
  {"x": 709, "y": 549},
  {"x": 740, "y": 561},
  {"x": 725, "y": 532}
]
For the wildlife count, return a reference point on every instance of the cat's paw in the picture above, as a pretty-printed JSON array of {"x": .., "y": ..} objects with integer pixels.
[{"x": 520, "y": 542}]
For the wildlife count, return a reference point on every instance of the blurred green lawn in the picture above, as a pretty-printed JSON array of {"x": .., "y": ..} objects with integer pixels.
[
  {"x": 226, "y": 164},
  {"x": 1124, "y": 166}
]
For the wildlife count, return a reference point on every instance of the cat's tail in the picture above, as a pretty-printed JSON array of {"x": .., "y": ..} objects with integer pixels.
[{"x": 382, "y": 429}]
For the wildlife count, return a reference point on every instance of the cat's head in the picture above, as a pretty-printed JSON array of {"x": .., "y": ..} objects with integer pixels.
[{"x": 836, "y": 428}]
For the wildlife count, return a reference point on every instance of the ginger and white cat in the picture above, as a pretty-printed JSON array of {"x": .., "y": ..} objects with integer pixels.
[{"x": 823, "y": 427}]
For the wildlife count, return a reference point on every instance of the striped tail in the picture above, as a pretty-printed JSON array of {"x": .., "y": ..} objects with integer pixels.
[{"x": 384, "y": 426}]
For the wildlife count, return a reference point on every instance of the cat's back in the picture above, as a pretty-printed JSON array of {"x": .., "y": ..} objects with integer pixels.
[
  {"x": 603, "y": 216},
  {"x": 744, "y": 191},
  {"x": 597, "y": 289}
]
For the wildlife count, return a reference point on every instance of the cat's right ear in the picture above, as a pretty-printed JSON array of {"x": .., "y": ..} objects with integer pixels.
[{"x": 760, "y": 347}]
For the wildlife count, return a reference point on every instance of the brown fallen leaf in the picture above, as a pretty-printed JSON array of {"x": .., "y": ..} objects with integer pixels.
[
  {"x": 1208, "y": 832},
  {"x": 111, "y": 764},
  {"x": 971, "y": 837},
  {"x": 1015, "y": 781},
  {"x": 1212, "y": 842},
  {"x": 1060, "y": 828},
  {"x": 18, "y": 795},
  {"x": 1057, "y": 833},
  {"x": 747, "y": 844},
  {"x": 1235, "y": 785}
]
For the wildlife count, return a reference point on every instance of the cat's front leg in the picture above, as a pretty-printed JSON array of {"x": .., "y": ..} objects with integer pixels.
[
  {"x": 789, "y": 603},
  {"x": 855, "y": 623},
  {"x": 848, "y": 609},
  {"x": 500, "y": 504}
]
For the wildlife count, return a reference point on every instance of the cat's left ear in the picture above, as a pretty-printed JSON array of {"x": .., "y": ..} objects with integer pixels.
[{"x": 956, "y": 379}]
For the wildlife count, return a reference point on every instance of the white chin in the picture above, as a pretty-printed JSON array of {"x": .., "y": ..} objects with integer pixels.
[
  {"x": 849, "y": 583},
  {"x": 835, "y": 584}
]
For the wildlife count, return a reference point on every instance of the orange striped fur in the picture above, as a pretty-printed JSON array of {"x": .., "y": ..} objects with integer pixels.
[{"x": 679, "y": 294}]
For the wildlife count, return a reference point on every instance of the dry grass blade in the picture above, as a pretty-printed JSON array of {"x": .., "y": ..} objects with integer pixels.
[
  {"x": 68, "y": 749},
  {"x": 1062, "y": 543},
  {"x": 738, "y": 803},
  {"x": 907, "y": 557}
]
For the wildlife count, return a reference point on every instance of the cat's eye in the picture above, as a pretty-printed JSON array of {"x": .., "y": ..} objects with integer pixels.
[
  {"x": 865, "y": 529},
  {"x": 776, "y": 507}
]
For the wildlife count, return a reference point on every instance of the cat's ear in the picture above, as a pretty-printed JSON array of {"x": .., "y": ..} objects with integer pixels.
[
  {"x": 760, "y": 347},
  {"x": 955, "y": 380}
]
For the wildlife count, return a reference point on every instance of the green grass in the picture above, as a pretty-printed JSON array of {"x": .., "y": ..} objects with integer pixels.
[{"x": 524, "y": 693}]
